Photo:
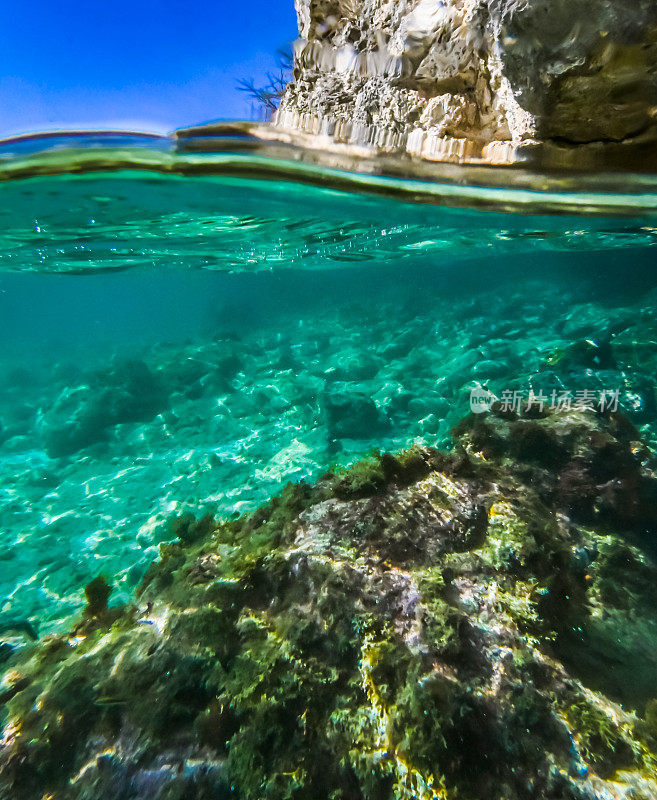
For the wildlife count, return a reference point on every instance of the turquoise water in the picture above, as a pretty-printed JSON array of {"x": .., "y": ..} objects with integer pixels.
[{"x": 173, "y": 343}]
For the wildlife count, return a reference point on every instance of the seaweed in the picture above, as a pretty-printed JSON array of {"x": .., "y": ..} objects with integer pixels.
[
  {"x": 420, "y": 626},
  {"x": 598, "y": 738}
]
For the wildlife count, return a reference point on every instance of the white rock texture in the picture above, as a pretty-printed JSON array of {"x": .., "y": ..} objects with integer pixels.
[{"x": 453, "y": 79}]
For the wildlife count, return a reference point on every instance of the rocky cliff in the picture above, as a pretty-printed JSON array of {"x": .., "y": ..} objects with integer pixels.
[
  {"x": 429, "y": 626},
  {"x": 469, "y": 79}
]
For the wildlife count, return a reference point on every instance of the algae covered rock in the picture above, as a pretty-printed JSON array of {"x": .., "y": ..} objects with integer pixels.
[{"x": 425, "y": 625}]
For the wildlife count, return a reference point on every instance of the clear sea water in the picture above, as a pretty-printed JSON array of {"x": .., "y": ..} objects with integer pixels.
[{"x": 176, "y": 343}]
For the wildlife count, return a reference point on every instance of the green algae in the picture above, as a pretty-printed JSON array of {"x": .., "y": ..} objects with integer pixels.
[
  {"x": 364, "y": 479},
  {"x": 598, "y": 738},
  {"x": 368, "y": 636},
  {"x": 371, "y": 475},
  {"x": 97, "y": 593}
]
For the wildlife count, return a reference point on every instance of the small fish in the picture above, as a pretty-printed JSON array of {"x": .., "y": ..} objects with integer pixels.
[
  {"x": 109, "y": 702},
  {"x": 12, "y": 626}
]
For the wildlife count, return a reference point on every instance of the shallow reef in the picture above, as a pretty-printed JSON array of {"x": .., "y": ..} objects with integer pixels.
[
  {"x": 100, "y": 447},
  {"x": 479, "y": 623}
]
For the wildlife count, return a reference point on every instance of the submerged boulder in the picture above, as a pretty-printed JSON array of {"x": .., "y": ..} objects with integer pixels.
[
  {"x": 352, "y": 415},
  {"x": 459, "y": 79},
  {"x": 83, "y": 415},
  {"x": 425, "y": 625}
]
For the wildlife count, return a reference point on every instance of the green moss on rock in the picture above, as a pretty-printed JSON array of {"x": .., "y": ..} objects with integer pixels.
[{"x": 419, "y": 626}]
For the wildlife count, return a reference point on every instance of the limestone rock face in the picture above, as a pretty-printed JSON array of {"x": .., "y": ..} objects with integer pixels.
[{"x": 453, "y": 77}]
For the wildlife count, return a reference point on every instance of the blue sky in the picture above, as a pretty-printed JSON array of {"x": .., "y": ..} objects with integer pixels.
[{"x": 141, "y": 64}]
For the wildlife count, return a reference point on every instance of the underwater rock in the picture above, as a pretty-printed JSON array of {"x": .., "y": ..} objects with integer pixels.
[
  {"x": 352, "y": 415},
  {"x": 424, "y": 625},
  {"x": 584, "y": 353},
  {"x": 591, "y": 474},
  {"x": 460, "y": 80},
  {"x": 17, "y": 627},
  {"x": 193, "y": 376},
  {"x": 126, "y": 392}
]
